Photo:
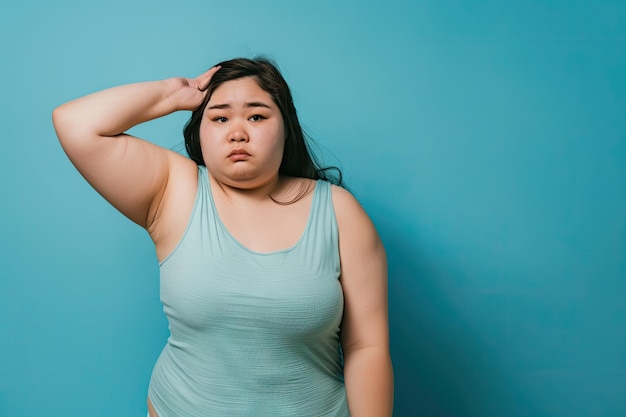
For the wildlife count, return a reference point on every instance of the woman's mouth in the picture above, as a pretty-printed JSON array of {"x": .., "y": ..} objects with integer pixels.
[{"x": 238, "y": 155}]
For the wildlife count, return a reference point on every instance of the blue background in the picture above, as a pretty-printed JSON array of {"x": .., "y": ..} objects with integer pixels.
[{"x": 486, "y": 139}]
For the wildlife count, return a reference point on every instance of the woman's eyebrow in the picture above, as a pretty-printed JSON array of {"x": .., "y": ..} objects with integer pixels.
[
  {"x": 246, "y": 105},
  {"x": 257, "y": 104}
]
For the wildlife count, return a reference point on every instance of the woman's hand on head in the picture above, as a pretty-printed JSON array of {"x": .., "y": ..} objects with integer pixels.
[
  {"x": 189, "y": 93},
  {"x": 134, "y": 175}
]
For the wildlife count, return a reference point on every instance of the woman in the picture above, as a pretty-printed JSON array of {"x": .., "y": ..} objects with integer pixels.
[{"x": 273, "y": 280}]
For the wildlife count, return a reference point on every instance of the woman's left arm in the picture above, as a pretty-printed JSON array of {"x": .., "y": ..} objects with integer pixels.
[{"x": 365, "y": 327}]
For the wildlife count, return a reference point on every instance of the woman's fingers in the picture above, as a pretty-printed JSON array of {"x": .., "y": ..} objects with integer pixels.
[{"x": 204, "y": 79}]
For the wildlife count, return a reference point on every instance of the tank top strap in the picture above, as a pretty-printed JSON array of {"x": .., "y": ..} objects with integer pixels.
[
  {"x": 209, "y": 224},
  {"x": 323, "y": 232},
  {"x": 203, "y": 180},
  {"x": 204, "y": 196}
]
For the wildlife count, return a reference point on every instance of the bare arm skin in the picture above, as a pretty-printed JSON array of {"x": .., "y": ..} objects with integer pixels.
[
  {"x": 365, "y": 328},
  {"x": 130, "y": 173}
]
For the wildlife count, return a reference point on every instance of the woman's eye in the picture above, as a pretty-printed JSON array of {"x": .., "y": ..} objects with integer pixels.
[
  {"x": 220, "y": 119},
  {"x": 257, "y": 117}
]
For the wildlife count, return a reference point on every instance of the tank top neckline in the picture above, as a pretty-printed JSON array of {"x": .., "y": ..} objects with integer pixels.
[{"x": 232, "y": 238}]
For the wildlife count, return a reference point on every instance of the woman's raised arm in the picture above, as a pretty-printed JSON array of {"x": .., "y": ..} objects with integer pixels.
[{"x": 130, "y": 173}]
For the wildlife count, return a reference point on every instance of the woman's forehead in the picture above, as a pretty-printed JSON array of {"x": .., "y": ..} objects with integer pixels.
[{"x": 238, "y": 92}]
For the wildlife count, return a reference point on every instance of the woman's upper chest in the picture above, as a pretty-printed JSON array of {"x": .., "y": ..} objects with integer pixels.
[{"x": 264, "y": 225}]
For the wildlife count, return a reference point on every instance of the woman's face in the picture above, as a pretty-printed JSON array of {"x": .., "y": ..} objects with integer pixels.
[{"x": 242, "y": 135}]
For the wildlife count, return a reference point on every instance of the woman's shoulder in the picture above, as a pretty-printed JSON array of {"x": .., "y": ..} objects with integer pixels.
[
  {"x": 351, "y": 217},
  {"x": 344, "y": 200}
]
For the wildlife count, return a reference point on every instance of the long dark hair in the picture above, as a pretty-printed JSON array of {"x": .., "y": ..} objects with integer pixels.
[{"x": 298, "y": 160}]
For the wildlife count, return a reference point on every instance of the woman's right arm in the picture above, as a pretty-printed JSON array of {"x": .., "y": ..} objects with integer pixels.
[{"x": 130, "y": 173}]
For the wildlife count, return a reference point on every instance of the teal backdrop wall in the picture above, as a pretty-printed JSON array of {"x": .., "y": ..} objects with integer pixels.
[{"x": 486, "y": 139}]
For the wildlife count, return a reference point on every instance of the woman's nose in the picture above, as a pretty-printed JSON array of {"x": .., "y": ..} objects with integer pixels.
[{"x": 238, "y": 134}]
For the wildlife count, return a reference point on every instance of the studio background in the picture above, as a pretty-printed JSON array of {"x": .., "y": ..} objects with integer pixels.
[{"x": 487, "y": 141}]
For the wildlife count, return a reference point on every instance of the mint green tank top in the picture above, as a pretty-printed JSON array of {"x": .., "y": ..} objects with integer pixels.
[{"x": 251, "y": 334}]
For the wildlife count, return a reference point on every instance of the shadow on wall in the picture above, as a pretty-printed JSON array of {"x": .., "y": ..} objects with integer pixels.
[{"x": 440, "y": 368}]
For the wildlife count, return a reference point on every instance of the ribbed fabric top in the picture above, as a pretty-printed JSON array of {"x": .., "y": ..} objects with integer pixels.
[{"x": 251, "y": 334}]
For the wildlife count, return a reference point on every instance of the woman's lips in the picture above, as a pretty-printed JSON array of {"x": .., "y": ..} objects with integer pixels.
[{"x": 238, "y": 155}]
